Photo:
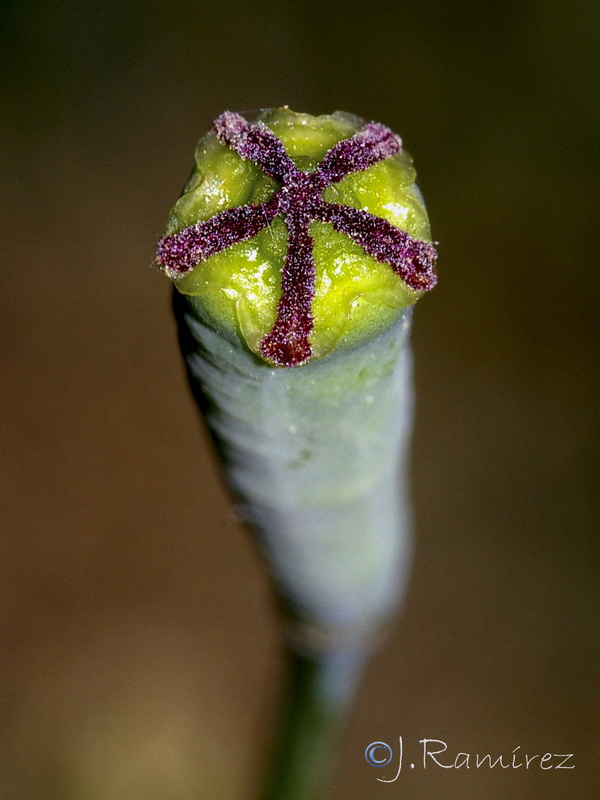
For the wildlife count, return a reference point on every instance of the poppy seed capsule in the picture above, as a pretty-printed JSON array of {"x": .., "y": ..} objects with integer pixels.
[
  {"x": 301, "y": 234},
  {"x": 297, "y": 250}
]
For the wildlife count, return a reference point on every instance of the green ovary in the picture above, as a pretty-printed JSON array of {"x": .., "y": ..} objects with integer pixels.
[
  {"x": 238, "y": 289},
  {"x": 356, "y": 296}
]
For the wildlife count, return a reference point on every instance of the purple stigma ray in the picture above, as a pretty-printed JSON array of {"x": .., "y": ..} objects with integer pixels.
[
  {"x": 371, "y": 144},
  {"x": 412, "y": 259},
  {"x": 300, "y": 202},
  {"x": 255, "y": 143},
  {"x": 183, "y": 251}
]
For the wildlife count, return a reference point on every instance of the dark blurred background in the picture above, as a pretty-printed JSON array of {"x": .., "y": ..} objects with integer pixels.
[{"x": 139, "y": 652}]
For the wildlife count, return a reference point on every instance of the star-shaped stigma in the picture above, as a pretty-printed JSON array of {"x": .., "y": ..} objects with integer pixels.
[{"x": 300, "y": 202}]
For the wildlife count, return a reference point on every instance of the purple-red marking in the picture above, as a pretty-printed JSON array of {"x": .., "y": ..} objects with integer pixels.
[{"x": 300, "y": 202}]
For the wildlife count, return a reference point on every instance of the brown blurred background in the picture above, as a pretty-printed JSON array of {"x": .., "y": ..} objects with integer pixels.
[{"x": 139, "y": 655}]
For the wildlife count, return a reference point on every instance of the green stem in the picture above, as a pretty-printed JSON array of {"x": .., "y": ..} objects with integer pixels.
[{"x": 320, "y": 693}]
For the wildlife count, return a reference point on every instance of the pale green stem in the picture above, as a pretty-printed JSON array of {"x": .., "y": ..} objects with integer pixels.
[
  {"x": 321, "y": 690},
  {"x": 316, "y": 458}
]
